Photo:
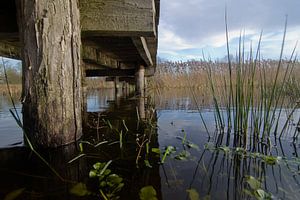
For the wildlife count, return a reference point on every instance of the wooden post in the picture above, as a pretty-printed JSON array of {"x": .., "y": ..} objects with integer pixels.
[
  {"x": 140, "y": 84},
  {"x": 51, "y": 41},
  {"x": 117, "y": 91}
]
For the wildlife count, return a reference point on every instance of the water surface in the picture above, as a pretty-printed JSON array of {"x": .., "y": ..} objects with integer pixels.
[{"x": 197, "y": 164}]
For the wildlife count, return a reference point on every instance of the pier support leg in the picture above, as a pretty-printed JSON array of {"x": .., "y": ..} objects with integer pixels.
[
  {"x": 51, "y": 41},
  {"x": 117, "y": 91},
  {"x": 140, "y": 84}
]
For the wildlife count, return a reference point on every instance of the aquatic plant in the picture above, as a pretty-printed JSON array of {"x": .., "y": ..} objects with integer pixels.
[
  {"x": 110, "y": 184},
  {"x": 255, "y": 189},
  {"x": 148, "y": 193},
  {"x": 247, "y": 104}
]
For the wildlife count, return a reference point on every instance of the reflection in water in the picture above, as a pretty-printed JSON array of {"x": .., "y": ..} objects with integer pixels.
[
  {"x": 10, "y": 133},
  {"x": 113, "y": 131},
  {"x": 115, "y": 134}
]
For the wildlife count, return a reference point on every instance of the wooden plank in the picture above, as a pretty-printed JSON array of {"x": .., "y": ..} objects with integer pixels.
[
  {"x": 118, "y": 17},
  {"x": 109, "y": 72},
  {"x": 143, "y": 50},
  {"x": 129, "y": 79},
  {"x": 93, "y": 55},
  {"x": 152, "y": 46},
  {"x": 10, "y": 51}
]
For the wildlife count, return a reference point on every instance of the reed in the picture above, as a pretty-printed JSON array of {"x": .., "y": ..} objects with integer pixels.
[
  {"x": 15, "y": 89},
  {"x": 249, "y": 103},
  {"x": 253, "y": 99}
]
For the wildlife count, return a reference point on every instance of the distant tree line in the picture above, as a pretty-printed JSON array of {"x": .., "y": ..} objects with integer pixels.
[{"x": 14, "y": 74}]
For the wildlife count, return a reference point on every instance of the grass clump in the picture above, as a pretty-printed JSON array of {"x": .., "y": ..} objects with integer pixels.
[{"x": 251, "y": 100}]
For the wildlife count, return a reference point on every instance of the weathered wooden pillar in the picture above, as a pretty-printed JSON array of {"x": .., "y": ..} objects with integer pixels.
[
  {"x": 117, "y": 91},
  {"x": 140, "y": 84},
  {"x": 116, "y": 83},
  {"x": 141, "y": 107},
  {"x": 51, "y": 41}
]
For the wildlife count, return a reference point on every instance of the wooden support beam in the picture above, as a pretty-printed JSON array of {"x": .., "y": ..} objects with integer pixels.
[
  {"x": 109, "y": 72},
  {"x": 118, "y": 17},
  {"x": 128, "y": 79},
  {"x": 140, "y": 84},
  {"x": 95, "y": 56},
  {"x": 141, "y": 45},
  {"x": 10, "y": 51}
]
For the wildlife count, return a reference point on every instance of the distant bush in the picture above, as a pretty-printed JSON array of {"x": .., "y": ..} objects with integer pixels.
[{"x": 14, "y": 74}]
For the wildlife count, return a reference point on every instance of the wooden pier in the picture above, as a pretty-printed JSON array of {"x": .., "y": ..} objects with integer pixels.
[{"x": 61, "y": 42}]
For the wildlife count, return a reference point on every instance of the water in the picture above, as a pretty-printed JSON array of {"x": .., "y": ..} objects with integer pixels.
[{"x": 197, "y": 165}]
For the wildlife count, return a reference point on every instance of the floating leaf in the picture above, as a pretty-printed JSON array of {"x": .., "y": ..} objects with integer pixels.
[
  {"x": 14, "y": 194},
  {"x": 262, "y": 195},
  {"x": 93, "y": 173},
  {"x": 80, "y": 190},
  {"x": 184, "y": 155},
  {"x": 225, "y": 149},
  {"x": 209, "y": 146},
  {"x": 193, "y": 146},
  {"x": 148, "y": 193},
  {"x": 271, "y": 160},
  {"x": 193, "y": 194},
  {"x": 155, "y": 150},
  {"x": 240, "y": 150},
  {"x": 253, "y": 183},
  {"x": 98, "y": 165},
  {"x": 114, "y": 179}
]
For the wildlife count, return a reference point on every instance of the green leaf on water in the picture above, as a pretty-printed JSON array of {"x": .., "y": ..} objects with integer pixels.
[
  {"x": 14, "y": 194},
  {"x": 184, "y": 155},
  {"x": 193, "y": 194},
  {"x": 155, "y": 150},
  {"x": 148, "y": 193},
  {"x": 209, "y": 146},
  {"x": 253, "y": 183},
  {"x": 80, "y": 190},
  {"x": 98, "y": 165},
  {"x": 271, "y": 160},
  {"x": 93, "y": 173},
  {"x": 262, "y": 195},
  {"x": 225, "y": 149},
  {"x": 193, "y": 146}
]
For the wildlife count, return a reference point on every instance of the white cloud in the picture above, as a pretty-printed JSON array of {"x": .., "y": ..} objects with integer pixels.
[
  {"x": 199, "y": 24},
  {"x": 169, "y": 41}
]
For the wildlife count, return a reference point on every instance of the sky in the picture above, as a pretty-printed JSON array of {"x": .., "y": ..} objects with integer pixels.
[{"x": 189, "y": 27}]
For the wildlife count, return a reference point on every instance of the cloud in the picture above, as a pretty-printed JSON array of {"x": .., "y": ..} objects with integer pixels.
[{"x": 200, "y": 24}]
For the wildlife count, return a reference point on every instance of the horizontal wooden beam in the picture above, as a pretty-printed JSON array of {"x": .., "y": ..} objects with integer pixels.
[
  {"x": 118, "y": 17},
  {"x": 129, "y": 79},
  {"x": 141, "y": 45},
  {"x": 9, "y": 51},
  {"x": 93, "y": 55},
  {"x": 109, "y": 72}
]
